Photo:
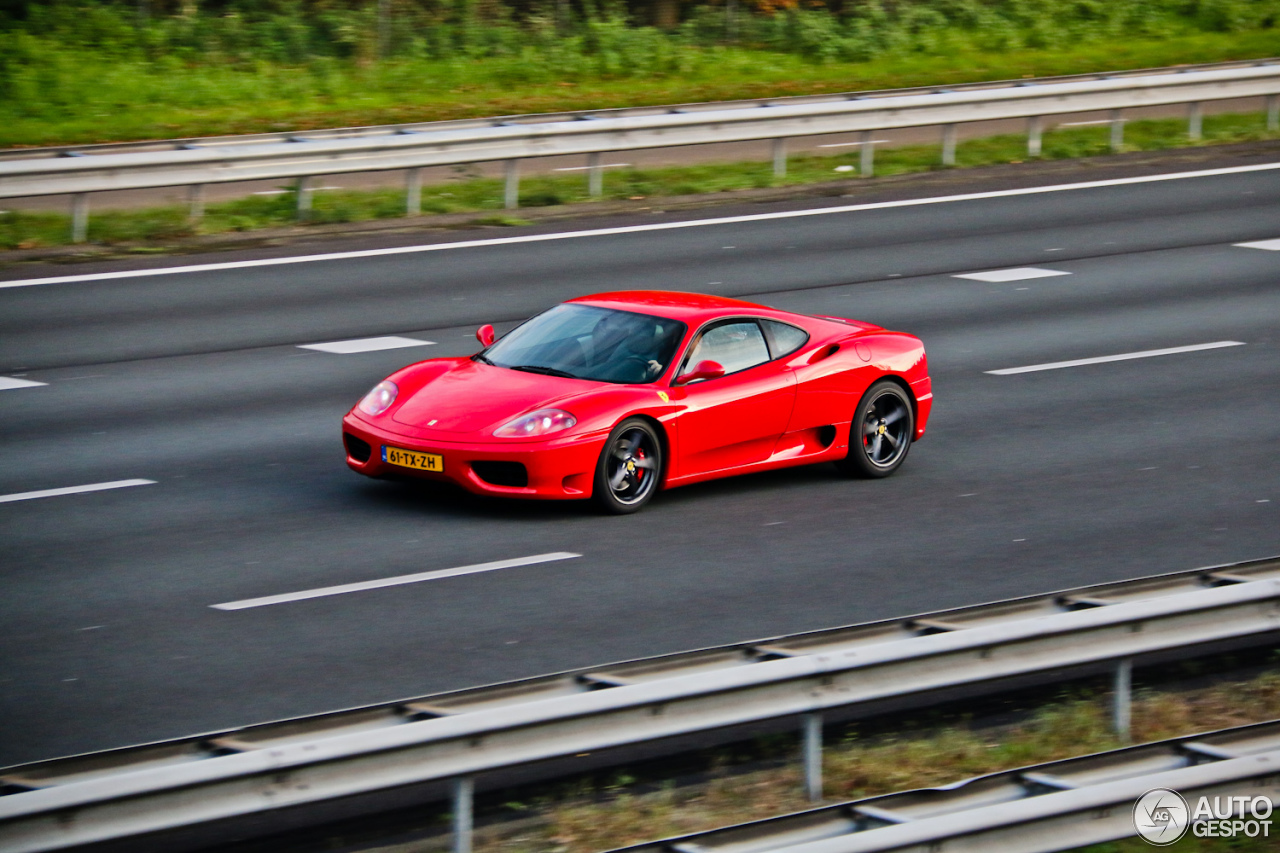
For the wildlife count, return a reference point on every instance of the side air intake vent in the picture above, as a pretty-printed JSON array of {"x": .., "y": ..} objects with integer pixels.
[{"x": 356, "y": 449}]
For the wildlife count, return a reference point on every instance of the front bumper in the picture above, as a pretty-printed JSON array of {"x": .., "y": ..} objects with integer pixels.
[{"x": 556, "y": 469}]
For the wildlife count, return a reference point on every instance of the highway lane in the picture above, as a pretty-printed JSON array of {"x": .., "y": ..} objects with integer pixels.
[
  {"x": 222, "y": 309},
  {"x": 1025, "y": 483}
]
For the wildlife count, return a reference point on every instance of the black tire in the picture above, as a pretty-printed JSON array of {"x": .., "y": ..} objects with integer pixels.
[
  {"x": 630, "y": 467},
  {"x": 881, "y": 432}
]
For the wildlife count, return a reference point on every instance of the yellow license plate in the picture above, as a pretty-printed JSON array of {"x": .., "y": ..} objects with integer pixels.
[{"x": 412, "y": 459}]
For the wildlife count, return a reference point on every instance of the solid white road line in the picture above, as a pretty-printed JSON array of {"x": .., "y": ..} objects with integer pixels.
[
  {"x": 635, "y": 229},
  {"x": 1015, "y": 274},
  {"x": 74, "y": 490},
  {"x": 396, "y": 581},
  {"x": 1151, "y": 353},
  {"x": 367, "y": 345},
  {"x": 1268, "y": 245},
  {"x": 9, "y": 382}
]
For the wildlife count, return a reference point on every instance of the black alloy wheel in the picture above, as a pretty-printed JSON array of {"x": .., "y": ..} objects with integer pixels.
[
  {"x": 881, "y": 433},
  {"x": 630, "y": 467}
]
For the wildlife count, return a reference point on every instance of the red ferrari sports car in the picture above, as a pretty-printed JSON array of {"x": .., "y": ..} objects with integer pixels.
[{"x": 618, "y": 395}]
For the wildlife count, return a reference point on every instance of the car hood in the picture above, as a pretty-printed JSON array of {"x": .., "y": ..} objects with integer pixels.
[{"x": 471, "y": 396}]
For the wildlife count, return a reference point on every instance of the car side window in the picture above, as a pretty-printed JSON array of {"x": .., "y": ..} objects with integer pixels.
[
  {"x": 735, "y": 345},
  {"x": 784, "y": 338}
]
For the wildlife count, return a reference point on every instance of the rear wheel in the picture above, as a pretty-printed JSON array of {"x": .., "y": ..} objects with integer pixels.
[
  {"x": 881, "y": 432},
  {"x": 630, "y": 467}
]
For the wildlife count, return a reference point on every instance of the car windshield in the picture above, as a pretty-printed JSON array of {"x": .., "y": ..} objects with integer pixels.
[{"x": 586, "y": 342}]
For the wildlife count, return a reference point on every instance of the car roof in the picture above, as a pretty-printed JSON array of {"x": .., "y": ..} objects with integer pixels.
[{"x": 692, "y": 308}]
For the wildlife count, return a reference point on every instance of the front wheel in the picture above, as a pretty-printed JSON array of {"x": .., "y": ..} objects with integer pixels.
[
  {"x": 881, "y": 432},
  {"x": 630, "y": 467}
]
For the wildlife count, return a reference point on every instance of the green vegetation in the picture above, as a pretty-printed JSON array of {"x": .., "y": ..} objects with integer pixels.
[
  {"x": 79, "y": 71},
  {"x": 586, "y": 819},
  {"x": 467, "y": 193}
]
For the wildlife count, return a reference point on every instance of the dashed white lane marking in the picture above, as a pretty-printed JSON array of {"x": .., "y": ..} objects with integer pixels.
[
  {"x": 9, "y": 382},
  {"x": 247, "y": 603},
  {"x": 636, "y": 229},
  {"x": 367, "y": 345},
  {"x": 74, "y": 490},
  {"x": 1267, "y": 245},
  {"x": 1151, "y": 353},
  {"x": 1014, "y": 274}
]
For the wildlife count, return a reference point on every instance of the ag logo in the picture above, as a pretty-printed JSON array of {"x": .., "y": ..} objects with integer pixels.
[{"x": 1161, "y": 816}]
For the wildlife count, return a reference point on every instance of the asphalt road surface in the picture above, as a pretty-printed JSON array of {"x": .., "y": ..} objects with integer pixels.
[{"x": 1025, "y": 482}]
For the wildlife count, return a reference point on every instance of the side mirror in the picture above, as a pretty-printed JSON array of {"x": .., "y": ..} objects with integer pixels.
[
  {"x": 485, "y": 335},
  {"x": 700, "y": 371}
]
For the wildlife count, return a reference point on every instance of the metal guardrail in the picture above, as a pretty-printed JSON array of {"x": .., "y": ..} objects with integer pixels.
[
  {"x": 579, "y": 115},
  {"x": 1051, "y": 806},
  {"x": 196, "y": 165},
  {"x": 58, "y": 804}
]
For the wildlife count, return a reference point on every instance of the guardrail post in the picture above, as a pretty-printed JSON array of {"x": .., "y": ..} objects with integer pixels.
[
  {"x": 195, "y": 202},
  {"x": 1033, "y": 136},
  {"x": 779, "y": 158},
  {"x": 1195, "y": 121},
  {"x": 867, "y": 164},
  {"x": 511, "y": 185},
  {"x": 595, "y": 175},
  {"x": 1117, "y": 130},
  {"x": 948, "y": 145},
  {"x": 812, "y": 724},
  {"x": 1273, "y": 112},
  {"x": 463, "y": 794},
  {"x": 304, "y": 198},
  {"x": 1122, "y": 698},
  {"x": 79, "y": 217},
  {"x": 413, "y": 192}
]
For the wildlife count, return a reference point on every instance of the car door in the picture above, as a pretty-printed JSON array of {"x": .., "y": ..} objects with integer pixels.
[
  {"x": 827, "y": 389},
  {"x": 735, "y": 419}
]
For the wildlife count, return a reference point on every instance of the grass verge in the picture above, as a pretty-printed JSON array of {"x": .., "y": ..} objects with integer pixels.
[
  {"x": 111, "y": 99},
  {"x": 467, "y": 193}
]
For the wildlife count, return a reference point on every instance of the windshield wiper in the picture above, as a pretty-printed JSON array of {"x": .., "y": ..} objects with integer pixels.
[
  {"x": 545, "y": 371},
  {"x": 481, "y": 357}
]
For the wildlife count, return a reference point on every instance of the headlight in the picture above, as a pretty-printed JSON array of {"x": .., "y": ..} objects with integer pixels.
[
  {"x": 380, "y": 398},
  {"x": 541, "y": 422}
]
